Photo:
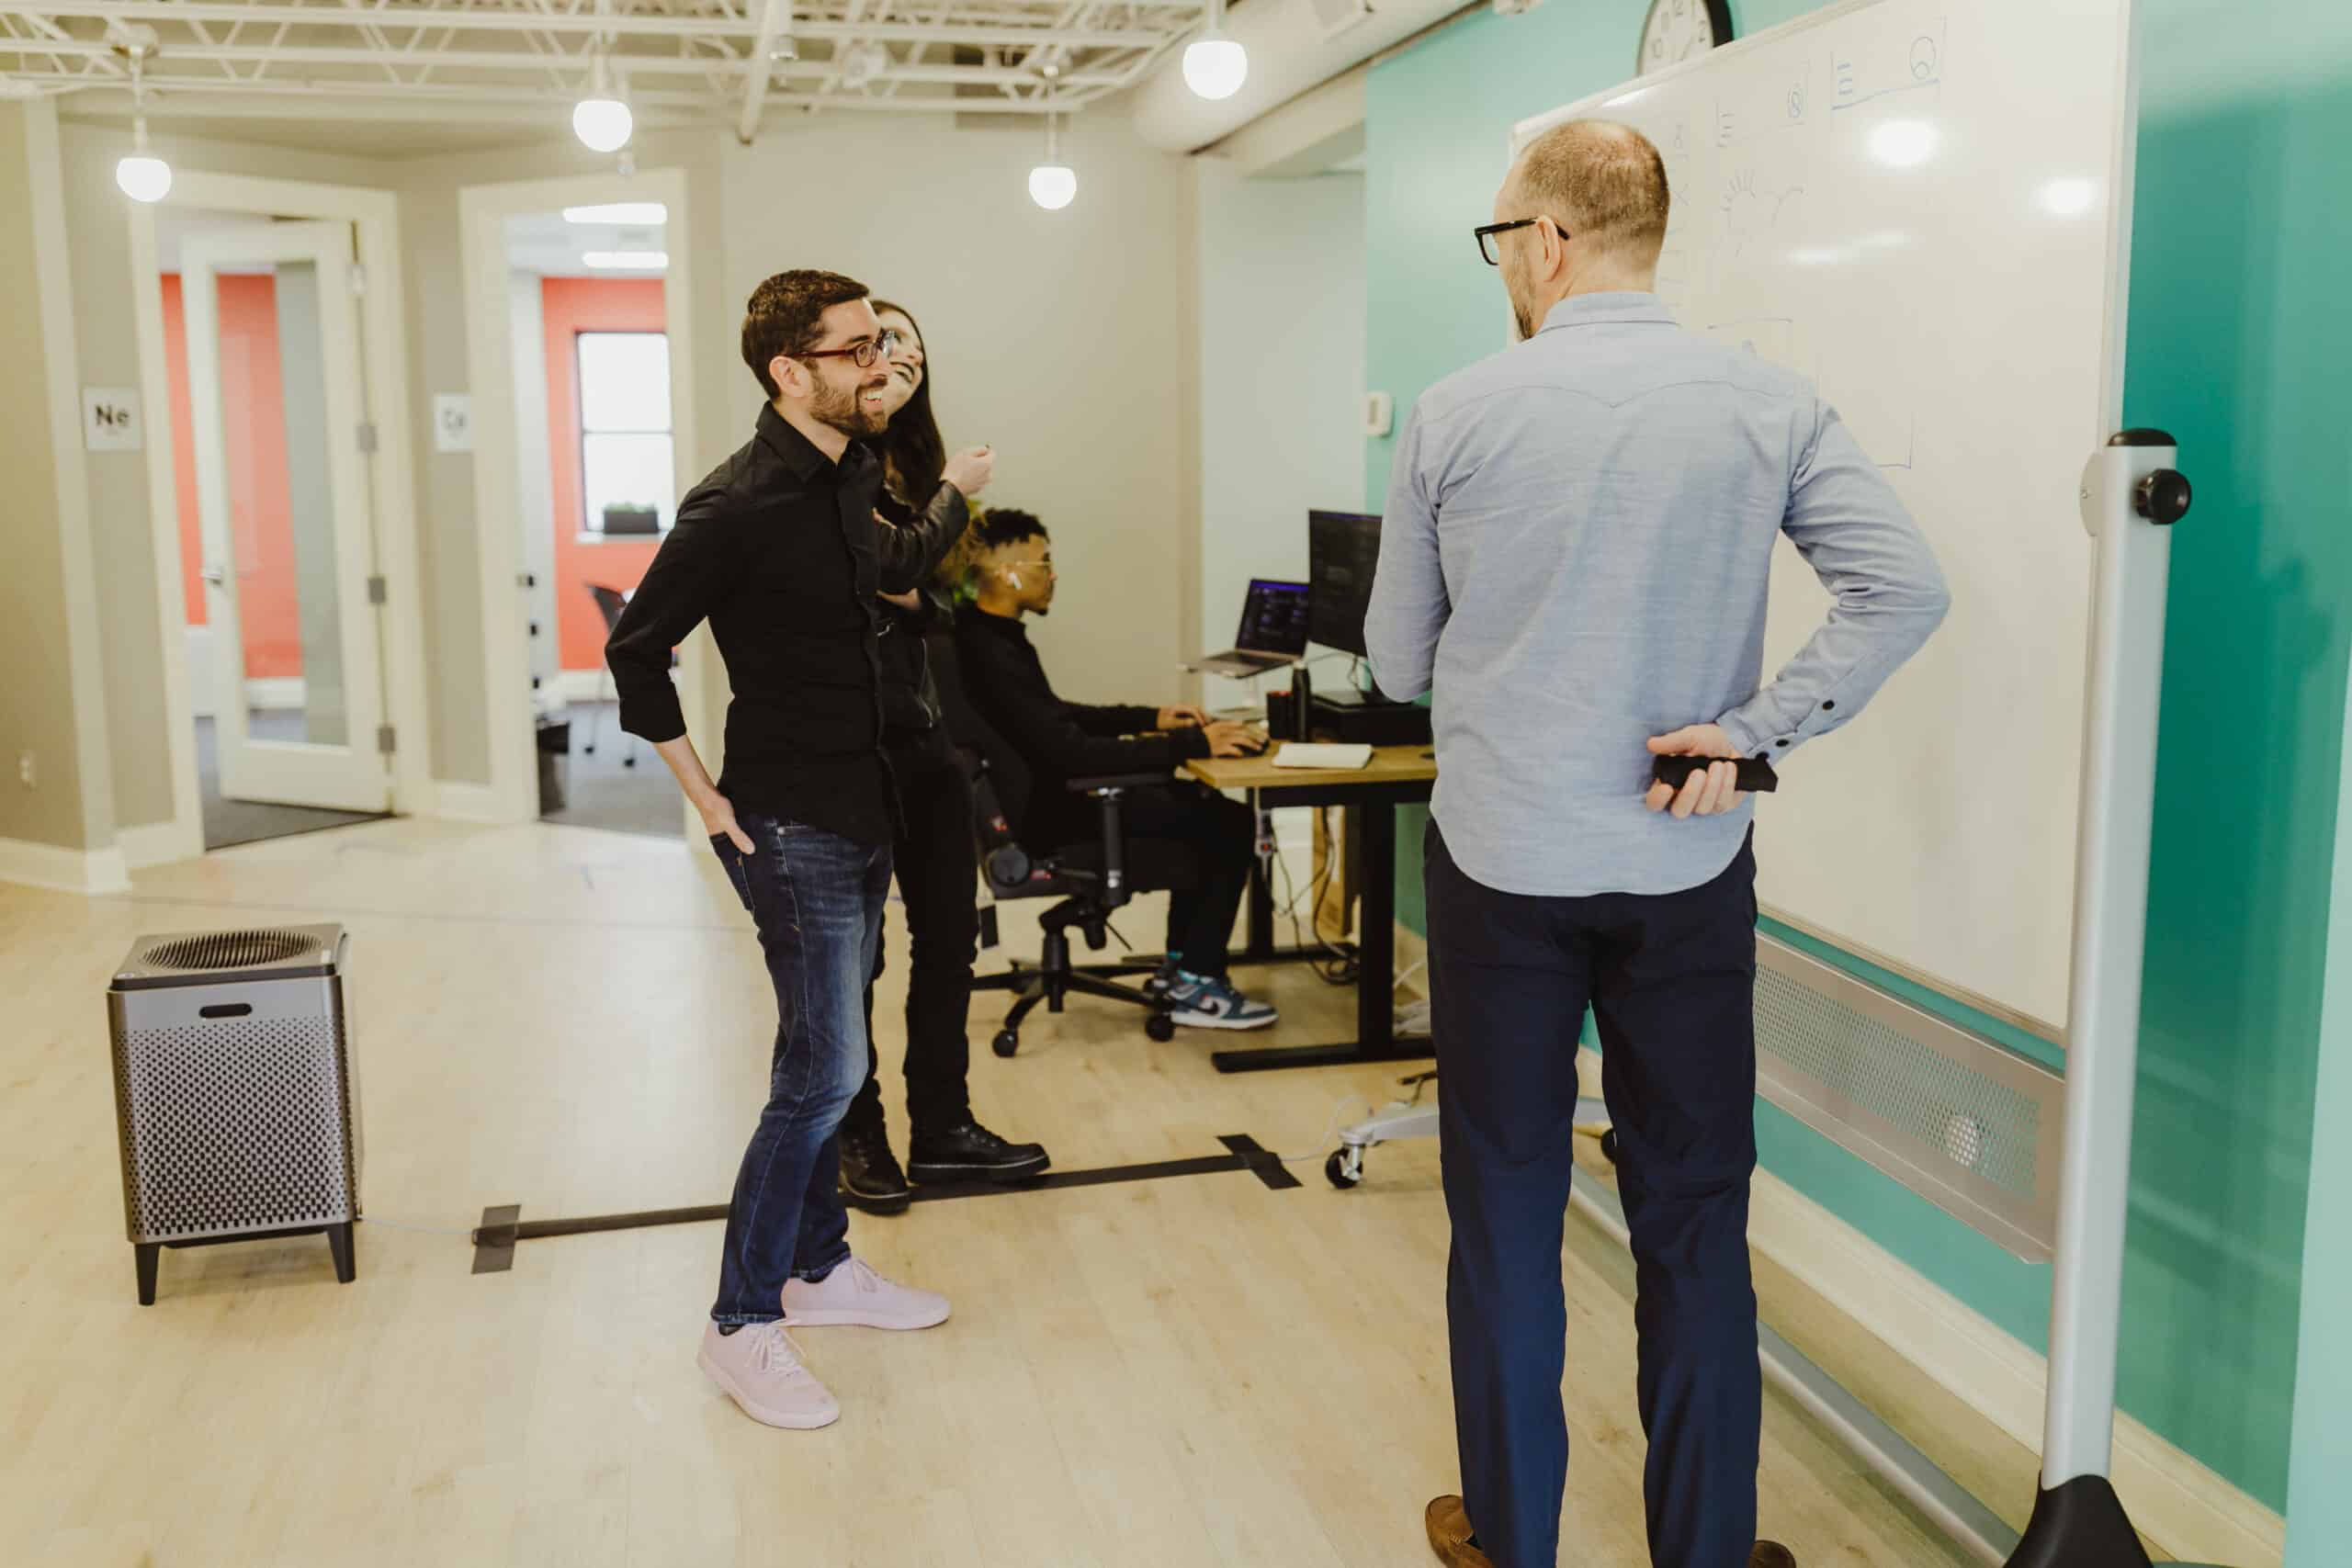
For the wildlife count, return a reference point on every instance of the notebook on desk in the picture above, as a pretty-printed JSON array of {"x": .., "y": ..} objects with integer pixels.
[{"x": 1310, "y": 754}]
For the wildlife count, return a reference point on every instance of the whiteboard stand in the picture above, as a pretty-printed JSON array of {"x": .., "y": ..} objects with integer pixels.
[{"x": 2131, "y": 496}]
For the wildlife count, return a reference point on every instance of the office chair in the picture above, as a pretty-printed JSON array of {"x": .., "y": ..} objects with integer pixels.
[
  {"x": 1091, "y": 886},
  {"x": 609, "y": 605},
  {"x": 1090, "y": 881}
]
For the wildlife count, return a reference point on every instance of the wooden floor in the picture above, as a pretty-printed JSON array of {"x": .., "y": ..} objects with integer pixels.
[{"x": 1185, "y": 1373}]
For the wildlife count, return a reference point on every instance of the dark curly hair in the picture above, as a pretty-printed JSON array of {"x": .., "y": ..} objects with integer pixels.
[{"x": 781, "y": 319}]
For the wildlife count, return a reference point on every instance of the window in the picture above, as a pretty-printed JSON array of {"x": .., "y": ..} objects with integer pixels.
[{"x": 625, "y": 439}]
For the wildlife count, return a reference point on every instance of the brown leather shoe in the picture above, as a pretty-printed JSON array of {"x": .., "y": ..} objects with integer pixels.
[
  {"x": 1449, "y": 1536},
  {"x": 1771, "y": 1554}
]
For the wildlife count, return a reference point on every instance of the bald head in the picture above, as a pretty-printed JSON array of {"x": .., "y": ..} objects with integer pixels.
[{"x": 1602, "y": 181}]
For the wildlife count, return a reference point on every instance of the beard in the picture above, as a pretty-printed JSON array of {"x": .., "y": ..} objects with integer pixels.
[{"x": 848, "y": 411}]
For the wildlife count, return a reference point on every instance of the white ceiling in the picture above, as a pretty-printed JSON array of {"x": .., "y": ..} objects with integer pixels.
[{"x": 518, "y": 65}]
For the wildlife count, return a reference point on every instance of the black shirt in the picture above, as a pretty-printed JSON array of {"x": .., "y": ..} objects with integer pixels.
[
  {"x": 1006, "y": 684},
  {"x": 780, "y": 550},
  {"x": 911, "y": 731}
]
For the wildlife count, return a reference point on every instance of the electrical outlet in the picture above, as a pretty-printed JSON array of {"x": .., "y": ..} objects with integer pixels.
[{"x": 25, "y": 774}]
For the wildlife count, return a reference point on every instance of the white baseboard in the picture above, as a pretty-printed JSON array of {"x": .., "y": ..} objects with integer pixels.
[
  {"x": 2176, "y": 1502},
  {"x": 159, "y": 843},
  {"x": 64, "y": 869},
  {"x": 465, "y": 803}
]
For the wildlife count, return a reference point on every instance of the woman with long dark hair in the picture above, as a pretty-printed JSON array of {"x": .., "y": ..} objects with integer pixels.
[
  {"x": 912, "y": 453},
  {"x": 934, "y": 857}
]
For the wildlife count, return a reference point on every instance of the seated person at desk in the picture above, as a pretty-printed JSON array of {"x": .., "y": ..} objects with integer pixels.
[{"x": 1180, "y": 837}]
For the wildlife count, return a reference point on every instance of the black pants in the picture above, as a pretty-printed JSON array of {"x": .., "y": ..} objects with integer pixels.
[
  {"x": 1196, "y": 844},
  {"x": 937, "y": 868},
  {"x": 1671, "y": 982}
]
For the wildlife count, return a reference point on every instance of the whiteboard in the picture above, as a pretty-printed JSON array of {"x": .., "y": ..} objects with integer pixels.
[{"x": 1918, "y": 205}]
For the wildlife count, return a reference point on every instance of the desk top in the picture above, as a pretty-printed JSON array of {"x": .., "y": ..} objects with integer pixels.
[{"x": 1389, "y": 765}]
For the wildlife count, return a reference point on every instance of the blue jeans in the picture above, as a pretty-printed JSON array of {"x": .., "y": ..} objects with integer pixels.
[{"x": 817, "y": 899}]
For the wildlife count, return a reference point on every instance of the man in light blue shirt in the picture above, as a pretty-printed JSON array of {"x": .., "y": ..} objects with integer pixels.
[{"x": 1574, "y": 561}]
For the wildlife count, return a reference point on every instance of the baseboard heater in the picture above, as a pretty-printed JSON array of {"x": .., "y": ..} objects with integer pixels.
[{"x": 1970, "y": 1125}]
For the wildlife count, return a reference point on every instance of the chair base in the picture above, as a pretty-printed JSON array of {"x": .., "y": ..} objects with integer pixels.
[{"x": 1054, "y": 979}]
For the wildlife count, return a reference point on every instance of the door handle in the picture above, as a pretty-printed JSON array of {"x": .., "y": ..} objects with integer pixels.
[{"x": 215, "y": 576}]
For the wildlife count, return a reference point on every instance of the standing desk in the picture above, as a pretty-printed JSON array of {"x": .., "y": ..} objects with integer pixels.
[{"x": 1397, "y": 775}]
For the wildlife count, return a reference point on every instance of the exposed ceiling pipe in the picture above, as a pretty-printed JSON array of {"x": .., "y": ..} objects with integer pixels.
[
  {"x": 773, "y": 38},
  {"x": 1288, "y": 55}
]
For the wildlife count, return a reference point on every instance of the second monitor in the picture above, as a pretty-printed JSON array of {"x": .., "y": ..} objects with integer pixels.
[{"x": 1342, "y": 554}]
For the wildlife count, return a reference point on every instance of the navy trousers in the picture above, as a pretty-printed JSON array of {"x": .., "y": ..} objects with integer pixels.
[{"x": 1670, "y": 981}]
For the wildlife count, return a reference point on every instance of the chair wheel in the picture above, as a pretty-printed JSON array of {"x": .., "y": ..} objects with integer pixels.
[
  {"x": 1160, "y": 1027},
  {"x": 1335, "y": 1168},
  {"x": 1608, "y": 1145},
  {"x": 1006, "y": 1042}
]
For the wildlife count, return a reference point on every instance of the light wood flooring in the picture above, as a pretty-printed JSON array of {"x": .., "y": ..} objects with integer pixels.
[{"x": 1188, "y": 1372}]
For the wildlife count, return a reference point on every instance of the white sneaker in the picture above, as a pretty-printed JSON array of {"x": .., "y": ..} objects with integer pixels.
[
  {"x": 761, "y": 1368},
  {"x": 855, "y": 1296}
]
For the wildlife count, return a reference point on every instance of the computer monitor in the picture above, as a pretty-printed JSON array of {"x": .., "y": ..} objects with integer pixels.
[
  {"x": 1274, "y": 617},
  {"x": 1342, "y": 552}
]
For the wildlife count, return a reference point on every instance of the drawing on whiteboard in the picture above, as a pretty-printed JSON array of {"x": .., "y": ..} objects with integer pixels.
[
  {"x": 1872, "y": 69},
  {"x": 1878, "y": 410},
  {"x": 1758, "y": 109},
  {"x": 1753, "y": 208}
]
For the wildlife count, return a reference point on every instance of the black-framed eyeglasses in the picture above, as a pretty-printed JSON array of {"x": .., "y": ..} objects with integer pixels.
[
  {"x": 1486, "y": 233},
  {"x": 864, "y": 353}
]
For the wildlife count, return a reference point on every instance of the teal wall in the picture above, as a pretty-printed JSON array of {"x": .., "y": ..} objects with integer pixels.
[
  {"x": 2319, "y": 1505},
  {"x": 2239, "y": 340}
]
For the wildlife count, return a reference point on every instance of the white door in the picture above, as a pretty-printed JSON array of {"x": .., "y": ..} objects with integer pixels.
[{"x": 281, "y": 468}]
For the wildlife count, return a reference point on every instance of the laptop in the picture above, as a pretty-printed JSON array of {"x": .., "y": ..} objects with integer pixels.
[{"x": 1272, "y": 633}]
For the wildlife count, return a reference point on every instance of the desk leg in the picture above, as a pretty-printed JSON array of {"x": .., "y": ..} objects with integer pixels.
[
  {"x": 1260, "y": 934},
  {"x": 1259, "y": 947},
  {"x": 1376, "y": 1039}
]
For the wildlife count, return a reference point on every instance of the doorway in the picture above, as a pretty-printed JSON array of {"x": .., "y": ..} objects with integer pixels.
[
  {"x": 278, "y": 530},
  {"x": 583, "y": 423},
  {"x": 596, "y": 464}
]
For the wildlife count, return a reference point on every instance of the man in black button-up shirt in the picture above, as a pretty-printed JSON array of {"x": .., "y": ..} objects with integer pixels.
[{"x": 780, "y": 549}]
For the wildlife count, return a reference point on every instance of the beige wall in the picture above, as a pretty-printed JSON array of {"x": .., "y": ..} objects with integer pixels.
[
  {"x": 1061, "y": 338},
  {"x": 98, "y": 234},
  {"x": 1065, "y": 339},
  {"x": 52, "y": 702}
]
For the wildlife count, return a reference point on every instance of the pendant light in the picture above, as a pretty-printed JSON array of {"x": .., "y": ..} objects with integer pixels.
[
  {"x": 142, "y": 176},
  {"x": 1216, "y": 65},
  {"x": 1053, "y": 185}
]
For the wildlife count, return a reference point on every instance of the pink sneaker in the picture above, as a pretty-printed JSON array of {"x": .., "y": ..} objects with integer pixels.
[
  {"x": 855, "y": 1296},
  {"x": 760, "y": 1368}
]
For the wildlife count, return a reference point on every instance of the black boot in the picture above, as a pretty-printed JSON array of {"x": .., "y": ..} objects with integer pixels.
[
  {"x": 871, "y": 1178},
  {"x": 971, "y": 1153}
]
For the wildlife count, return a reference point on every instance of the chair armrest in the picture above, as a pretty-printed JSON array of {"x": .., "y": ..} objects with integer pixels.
[{"x": 1107, "y": 791}]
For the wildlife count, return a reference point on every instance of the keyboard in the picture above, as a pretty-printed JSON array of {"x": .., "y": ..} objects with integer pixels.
[{"x": 1307, "y": 754}]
